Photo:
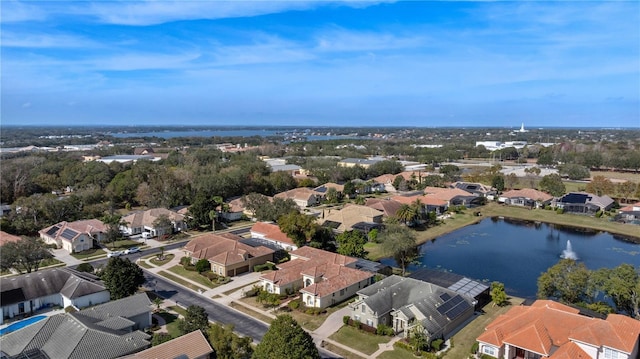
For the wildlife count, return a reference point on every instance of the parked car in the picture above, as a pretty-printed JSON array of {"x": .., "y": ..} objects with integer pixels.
[
  {"x": 114, "y": 254},
  {"x": 132, "y": 250},
  {"x": 146, "y": 235}
]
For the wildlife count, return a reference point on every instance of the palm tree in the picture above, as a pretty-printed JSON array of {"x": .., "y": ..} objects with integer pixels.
[
  {"x": 406, "y": 214},
  {"x": 418, "y": 207}
]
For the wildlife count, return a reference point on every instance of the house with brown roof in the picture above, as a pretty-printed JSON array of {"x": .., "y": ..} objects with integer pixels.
[
  {"x": 584, "y": 203},
  {"x": 145, "y": 222},
  {"x": 475, "y": 188},
  {"x": 75, "y": 236},
  {"x": 323, "y": 278},
  {"x": 304, "y": 197},
  {"x": 227, "y": 253},
  {"x": 325, "y": 187},
  {"x": 453, "y": 196},
  {"x": 271, "y": 233},
  {"x": 7, "y": 238},
  {"x": 388, "y": 207},
  {"x": 235, "y": 210},
  {"x": 189, "y": 346},
  {"x": 349, "y": 216},
  {"x": 548, "y": 329},
  {"x": 429, "y": 203},
  {"x": 526, "y": 197}
]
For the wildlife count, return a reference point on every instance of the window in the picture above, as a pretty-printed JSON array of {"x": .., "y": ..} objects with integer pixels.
[
  {"x": 610, "y": 354},
  {"x": 310, "y": 301},
  {"x": 357, "y": 317},
  {"x": 489, "y": 350},
  {"x": 370, "y": 322}
]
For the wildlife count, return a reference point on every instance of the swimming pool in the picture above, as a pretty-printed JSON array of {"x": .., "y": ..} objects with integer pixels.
[{"x": 21, "y": 324}]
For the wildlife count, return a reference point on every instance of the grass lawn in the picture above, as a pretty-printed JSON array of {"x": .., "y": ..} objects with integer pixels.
[
  {"x": 464, "y": 339},
  {"x": 122, "y": 245},
  {"x": 144, "y": 264},
  {"x": 89, "y": 253},
  {"x": 633, "y": 177},
  {"x": 399, "y": 353},
  {"x": 194, "y": 276},
  {"x": 157, "y": 262},
  {"x": 250, "y": 312},
  {"x": 307, "y": 321},
  {"x": 183, "y": 282},
  {"x": 574, "y": 186},
  {"x": 341, "y": 352},
  {"x": 172, "y": 323},
  {"x": 179, "y": 310},
  {"x": 359, "y": 340},
  {"x": 601, "y": 224},
  {"x": 237, "y": 289},
  {"x": 50, "y": 262}
]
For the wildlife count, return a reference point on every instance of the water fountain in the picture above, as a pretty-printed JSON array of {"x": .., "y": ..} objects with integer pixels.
[{"x": 568, "y": 253}]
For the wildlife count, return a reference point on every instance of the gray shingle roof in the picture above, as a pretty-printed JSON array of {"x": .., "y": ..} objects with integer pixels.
[
  {"x": 99, "y": 332},
  {"x": 46, "y": 282}
]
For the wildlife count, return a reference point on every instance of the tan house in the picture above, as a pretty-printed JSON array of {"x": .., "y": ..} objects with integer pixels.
[
  {"x": 189, "y": 346},
  {"x": 526, "y": 197},
  {"x": 226, "y": 252},
  {"x": 548, "y": 329},
  {"x": 271, "y": 232},
  {"x": 323, "y": 278},
  {"x": 388, "y": 207},
  {"x": 429, "y": 203},
  {"x": 75, "y": 236},
  {"x": 304, "y": 197},
  {"x": 453, "y": 196},
  {"x": 352, "y": 214},
  {"x": 145, "y": 222},
  {"x": 325, "y": 187},
  {"x": 7, "y": 238}
]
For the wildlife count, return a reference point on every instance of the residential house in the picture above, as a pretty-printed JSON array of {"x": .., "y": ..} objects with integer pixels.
[
  {"x": 146, "y": 222},
  {"x": 526, "y": 197},
  {"x": 429, "y": 203},
  {"x": 106, "y": 331},
  {"x": 548, "y": 329},
  {"x": 584, "y": 203},
  {"x": 409, "y": 176},
  {"x": 270, "y": 232},
  {"x": 462, "y": 285},
  {"x": 25, "y": 294},
  {"x": 189, "y": 346},
  {"x": 138, "y": 151},
  {"x": 350, "y": 215},
  {"x": 629, "y": 214},
  {"x": 75, "y": 236},
  {"x": 388, "y": 207},
  {"x": 325, "y": 187},
  {"x": 371, "y": 186},
  {"x": 477, "y": 189},
  {"x": 227, "y": 254},
  {"x": 304, "y": 197},
  {"x": 234, "y": 211},
  {"x": 453, "y": 196},
  {"x": 406, "y": 303},
  {"x": 323, "y": 278},
  {"x": 7, "y": 238}
]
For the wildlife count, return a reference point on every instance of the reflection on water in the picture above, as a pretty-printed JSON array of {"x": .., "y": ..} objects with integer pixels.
[{"x": 517, "y": 252}]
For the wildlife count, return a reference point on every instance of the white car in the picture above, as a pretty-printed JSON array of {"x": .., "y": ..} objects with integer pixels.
[
  {"x": 114, "y": 254},
  {"x": 132, "y": 250}
]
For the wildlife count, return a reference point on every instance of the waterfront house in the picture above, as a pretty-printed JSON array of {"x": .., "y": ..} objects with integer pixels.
[
  {"x": 75, "y": 236},
  {"x": 584, "y": 203},
  {"x": 548, "y": 329},
  {"x": 526, "y": 197},
  {"x": 453, "y": 196},
  {"x": 407, "y": 304},
  {"x": 350, "y": 216},
  {"x": 630, "y": 213}
]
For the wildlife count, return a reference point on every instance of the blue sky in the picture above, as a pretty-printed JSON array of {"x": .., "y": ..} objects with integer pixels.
[{"x": 448, "y": 63}]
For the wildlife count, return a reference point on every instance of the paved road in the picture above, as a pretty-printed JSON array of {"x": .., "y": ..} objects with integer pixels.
[{"x": 135, "y": 256}]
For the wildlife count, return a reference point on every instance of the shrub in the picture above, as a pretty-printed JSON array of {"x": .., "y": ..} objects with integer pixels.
[
  {"x": 85, "y": 267},
  {"x": 203, "y": 265},
  {"x": 436, "y": 344},
  {"x": 294, "y": 304},
  {"x": 70, "y": 309},
  {"x": 345, "y": 320},
  {"x": 384, "y": 330},
  {"x": 211, "y": 276},
  {"x": 252, "y": 292},
  {"x": 185, "y": 261},
  {"x": 560, "y": 210},
  {"x": 159, "y": 338},
  {"x": 263, "y": 267},
  {"x": 599, "y": 214},
  {"x": 475, "y": 347}
]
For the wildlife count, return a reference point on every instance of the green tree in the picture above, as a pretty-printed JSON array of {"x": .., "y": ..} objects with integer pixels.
[
  {"x": 227, "y": 345},
  {"x": 157, "y": 301},
  {"x": 85, "y": 267},
  {"x": 121, "y": 277},
  {"x": 407, "y": 214},
  {"x": 351, "y": 243},
  {"x": 498, "y": 295},
  {"x": 299, "y": 227},
  {"x": 113, "y": 223},
  {"x": 600, "y": 185},
  {"x": 24, "y": 255},
  {"x": 195, "y": 318},
  {"x": 163, "y": 225},
  {"x": 622, "y": 286},
  {"x": 286, "y": 339},
  {"x": 552, "y": 184},
  {"x": 349, "y": 189},
  {"x": 574, "y": 171},
  {"x": 567, "y": 281},
  {"x": 451, "y": 172},
  {"x": 497, "y": 182},
  {"x": 399, "y": 242}
]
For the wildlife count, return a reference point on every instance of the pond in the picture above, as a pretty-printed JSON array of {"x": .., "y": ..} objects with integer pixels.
[{"x": 516, "y": 252}]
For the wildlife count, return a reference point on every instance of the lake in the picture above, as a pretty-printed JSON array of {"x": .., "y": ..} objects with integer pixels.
[{"x": 516, "y": 253}]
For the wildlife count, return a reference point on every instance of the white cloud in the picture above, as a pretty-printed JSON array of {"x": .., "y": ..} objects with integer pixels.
[
  {"x": 340, "y": 40},
  {"x": 11, "y": 39}
]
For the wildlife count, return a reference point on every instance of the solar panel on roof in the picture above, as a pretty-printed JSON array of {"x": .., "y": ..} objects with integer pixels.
[
  {"x": 457, "y": 310},
  {"x": 52, "y": 231},
  {"x": 68, "y": 234},
  {"x": 445, "y": 296}
]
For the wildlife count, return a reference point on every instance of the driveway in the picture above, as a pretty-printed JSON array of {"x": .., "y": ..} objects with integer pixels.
[{"x": 64, "y": 256}]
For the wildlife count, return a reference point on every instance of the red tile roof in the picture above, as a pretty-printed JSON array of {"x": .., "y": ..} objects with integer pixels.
[
  {"x": 388, "y": 207},
  {"x": 530, "y": 193},
  {"x": 189, "y": 346},
  {"x": 6, "y": 238},
  {"x": 547, "y": 325},
  {"x": 224, "y": 249},
  {"x": 271, "y": 231},
  {"x": 445, "y": 193}
]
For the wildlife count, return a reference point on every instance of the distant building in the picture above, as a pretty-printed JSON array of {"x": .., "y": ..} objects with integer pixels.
[{"x": 362, "y": 162}]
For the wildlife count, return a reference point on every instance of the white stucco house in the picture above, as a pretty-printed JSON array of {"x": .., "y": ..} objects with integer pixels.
[{"x": 75, "y": 236}]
